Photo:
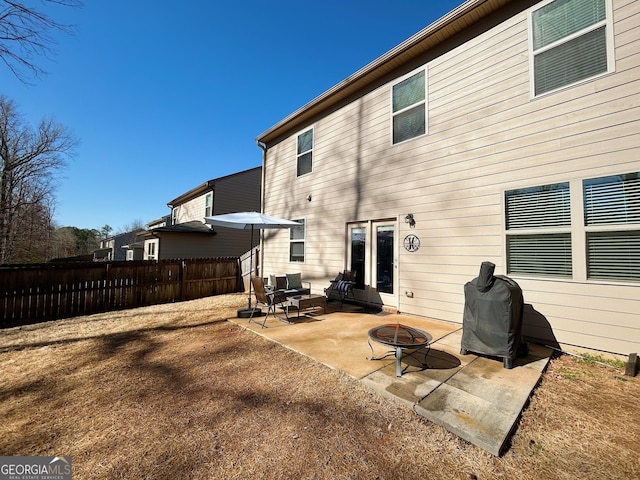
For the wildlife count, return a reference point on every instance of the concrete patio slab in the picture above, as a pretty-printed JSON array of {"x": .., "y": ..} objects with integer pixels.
[{"x": 473, "y": 397}]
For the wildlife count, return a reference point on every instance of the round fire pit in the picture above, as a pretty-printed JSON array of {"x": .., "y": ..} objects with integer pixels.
[{"x": 399, "y": 337}]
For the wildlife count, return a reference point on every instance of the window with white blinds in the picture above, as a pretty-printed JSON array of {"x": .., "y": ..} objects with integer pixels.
[
  {"x": 612, "y": 223},
  {"x": 569, "y": 41},
  {"x": 538, "y": 223},
  {"x": 541, "y": 240}
]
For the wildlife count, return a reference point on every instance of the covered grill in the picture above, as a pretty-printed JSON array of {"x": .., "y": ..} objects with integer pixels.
[{"x": 492, "y": 320}]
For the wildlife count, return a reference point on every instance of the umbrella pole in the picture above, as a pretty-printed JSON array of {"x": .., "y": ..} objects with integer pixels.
[
  {"x": 250, "y": 266},
  {"x": 248, "y": 312}
]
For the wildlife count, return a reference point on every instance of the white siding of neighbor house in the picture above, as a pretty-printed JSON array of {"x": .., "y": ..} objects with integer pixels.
[
  {"x": 485, "y": 135},
  {"x": 192, "y": 209}
]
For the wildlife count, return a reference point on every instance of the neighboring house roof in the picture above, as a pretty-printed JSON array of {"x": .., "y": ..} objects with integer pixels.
[
  {"x": 101, "y": 253},
  {"x": 194, "y": 226},
  {"x": 158, "y": 221},
  {"x": 203, "y": 188},
  {"x": 131, "y": 246},
  {"x": 426, "y": 39}
]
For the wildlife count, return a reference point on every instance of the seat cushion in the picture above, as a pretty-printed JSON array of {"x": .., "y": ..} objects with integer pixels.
[
  {"x": 343, "y": 286},
  {"x": 294, "y": 280}
]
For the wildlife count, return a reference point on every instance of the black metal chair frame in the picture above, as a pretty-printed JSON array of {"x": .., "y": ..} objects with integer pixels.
[{"x": 272, "y": 299}]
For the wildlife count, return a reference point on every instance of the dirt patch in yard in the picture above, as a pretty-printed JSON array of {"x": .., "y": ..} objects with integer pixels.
[{"x": 175, "y": 391}]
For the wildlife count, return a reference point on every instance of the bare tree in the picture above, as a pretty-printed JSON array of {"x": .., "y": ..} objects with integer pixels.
[
  {"x": 25, "y": 32},
  {"x": 134, "y": 226},
  {"x": 30, "y": 159}
]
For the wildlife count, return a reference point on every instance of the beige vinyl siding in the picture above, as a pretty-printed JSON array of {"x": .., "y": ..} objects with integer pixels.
[
  {"x": 486, "y": 135},
  {"x": 192, "y": 210}
]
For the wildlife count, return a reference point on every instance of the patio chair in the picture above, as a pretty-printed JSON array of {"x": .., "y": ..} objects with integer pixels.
[
  {"x": 271, "y": 299},
  {"x": 343, "y": 286}
]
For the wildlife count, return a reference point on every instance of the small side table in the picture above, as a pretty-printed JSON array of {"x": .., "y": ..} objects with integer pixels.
[{"x": 399, "y": 337}]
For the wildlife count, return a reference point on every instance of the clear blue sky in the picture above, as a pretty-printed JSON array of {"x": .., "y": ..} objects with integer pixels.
[{"x": 164, "y": 96}]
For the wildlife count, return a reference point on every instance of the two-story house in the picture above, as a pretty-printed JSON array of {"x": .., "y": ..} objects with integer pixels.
[
  {"x": 183, "y": 233},
  {"x": 119, "y": 247},
  {"x": 506, "y": 131}
]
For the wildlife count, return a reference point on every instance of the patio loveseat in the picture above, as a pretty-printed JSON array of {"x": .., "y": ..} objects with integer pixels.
[{"x": 290, "y": 284}]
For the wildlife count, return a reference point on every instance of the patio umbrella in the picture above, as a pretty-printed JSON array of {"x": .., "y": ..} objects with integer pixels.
[{"x": 249, "y": 221}]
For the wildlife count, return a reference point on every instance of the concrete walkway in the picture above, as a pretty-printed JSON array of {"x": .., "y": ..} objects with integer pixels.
[{"x": 472, "y": 397}]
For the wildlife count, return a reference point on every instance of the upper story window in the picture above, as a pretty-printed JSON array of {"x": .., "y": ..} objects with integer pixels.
[
  {"x": 304, "y": 152},
  {"x": 571, "y": 41},
  {"x": 409, "y": 107},
  {"x": 174, "y": 216},
  {"x": 208, "y": 204}
]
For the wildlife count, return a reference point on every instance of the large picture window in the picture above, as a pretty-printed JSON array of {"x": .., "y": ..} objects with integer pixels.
[
  {"x": 541, "y": 240},
  {"x": 296, "y": 242},
  {"x": 612, "y": 223},
  {"x": 305, "y": 153},
  {"x": 538, "y": 224},
  {"x": 409, "y": 107},
  {"x": 569, "y": 43}
]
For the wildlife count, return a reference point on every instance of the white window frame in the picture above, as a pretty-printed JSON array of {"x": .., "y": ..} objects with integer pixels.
[
  {"x": 302, "y": 241},
  {"x": 151, "y": 251},
  {"x": 208, "y": 204},
  {"x": 608, "y": 224},
  {"x": 607, "y": 23},
  {"x": 555, "y": 227},
  {"x": 174, "y": 216},
  {"x": 310, "y": 151},
  {"x": 579, "y": 234},
  {"x": 413, "y": 105}
]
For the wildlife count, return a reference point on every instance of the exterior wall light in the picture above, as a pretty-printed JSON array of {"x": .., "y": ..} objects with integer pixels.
[{"x": 410, "y": 220}]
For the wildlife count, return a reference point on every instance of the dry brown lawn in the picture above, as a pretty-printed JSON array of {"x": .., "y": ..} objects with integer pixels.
[{"x": 174, "y": 391}]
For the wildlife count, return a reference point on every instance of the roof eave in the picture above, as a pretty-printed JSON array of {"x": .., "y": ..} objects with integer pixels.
[{"x": 426, "y": 39}]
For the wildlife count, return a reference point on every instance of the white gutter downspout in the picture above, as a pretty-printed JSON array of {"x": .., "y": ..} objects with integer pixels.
[{"x": 262, "y": 147}]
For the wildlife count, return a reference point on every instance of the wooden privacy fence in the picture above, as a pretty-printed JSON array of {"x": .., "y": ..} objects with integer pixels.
[{"x": 41, "y": 292}]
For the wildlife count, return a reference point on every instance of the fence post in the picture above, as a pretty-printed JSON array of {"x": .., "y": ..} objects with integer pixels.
[{"x": 183, "y": 280}]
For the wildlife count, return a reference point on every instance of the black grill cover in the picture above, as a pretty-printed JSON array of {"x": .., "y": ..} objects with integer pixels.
[{"x": 493, "y": 310}]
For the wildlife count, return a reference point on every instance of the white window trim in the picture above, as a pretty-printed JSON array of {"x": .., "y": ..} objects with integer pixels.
[
  {"x": 392, "y": 114},
  {"x": 303, "y": 241},
  {"x": 313, "y": 145},
  {"x": 611, "y": 64},
  {"x": 538, "y": 231},
  {"x": 578, "y": 232},
  {"x": 210, "y": 206}
]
